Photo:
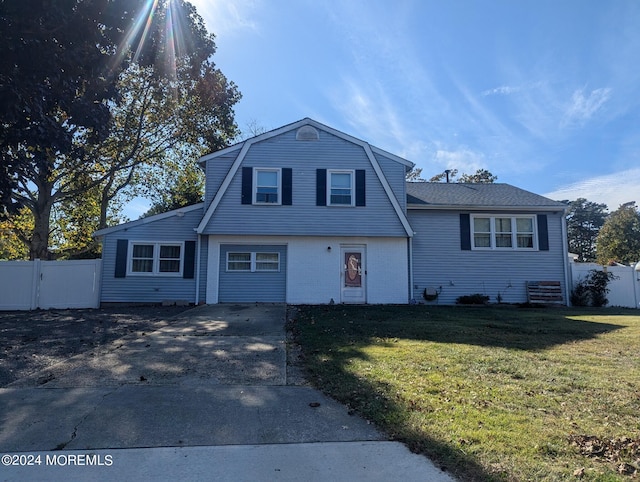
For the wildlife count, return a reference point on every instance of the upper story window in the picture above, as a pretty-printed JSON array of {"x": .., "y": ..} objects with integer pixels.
[
  {"x": 267, "y": 186},
  {"x": 503, "y": 232},
  {"x": 151, "y": 259},
  {"x": 340, "y": 187}
]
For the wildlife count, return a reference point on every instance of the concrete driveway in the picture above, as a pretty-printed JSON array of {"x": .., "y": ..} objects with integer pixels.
[{"x": 207, "y": 396}]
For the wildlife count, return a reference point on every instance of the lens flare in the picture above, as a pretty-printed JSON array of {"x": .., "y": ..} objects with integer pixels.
[{"x": 142, "y": 29}]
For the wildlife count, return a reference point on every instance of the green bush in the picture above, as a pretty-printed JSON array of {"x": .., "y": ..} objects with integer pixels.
[
  {"x": 475, "y": 299},
  {"x": 593, "y": 289}
]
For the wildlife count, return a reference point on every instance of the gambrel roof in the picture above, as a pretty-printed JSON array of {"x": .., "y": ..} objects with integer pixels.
[{"x": 246, "y": 145}]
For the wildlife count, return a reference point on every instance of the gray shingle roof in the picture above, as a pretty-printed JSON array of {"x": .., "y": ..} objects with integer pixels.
[{"x": 438, "y": 194}]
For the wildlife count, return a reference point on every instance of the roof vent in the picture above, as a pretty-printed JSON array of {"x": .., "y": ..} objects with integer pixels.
[{"x": 307, "y": 133}]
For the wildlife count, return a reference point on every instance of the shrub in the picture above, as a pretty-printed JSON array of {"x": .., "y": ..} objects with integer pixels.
[
  {"x": 593, "y": 289},
  {"x": 475, "y": 299}
]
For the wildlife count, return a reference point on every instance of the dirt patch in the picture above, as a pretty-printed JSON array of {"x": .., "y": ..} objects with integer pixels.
[{"x": 33, "y": 340}]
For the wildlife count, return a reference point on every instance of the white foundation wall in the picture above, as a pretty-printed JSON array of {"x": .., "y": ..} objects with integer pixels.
[{"x": 313, "y": 270}]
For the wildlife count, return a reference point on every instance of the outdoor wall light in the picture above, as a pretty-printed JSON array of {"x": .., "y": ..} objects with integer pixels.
[{"x": 329, "y": 248}]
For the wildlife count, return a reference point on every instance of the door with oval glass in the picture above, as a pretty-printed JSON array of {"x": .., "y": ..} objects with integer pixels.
[{"x": 353, "y": 274}]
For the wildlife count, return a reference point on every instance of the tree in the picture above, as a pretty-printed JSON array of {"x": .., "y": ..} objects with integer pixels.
[
  {"x": 448, "y": 175},
  {"x": 171, "y": 101},
  {"x": 182, "y": 190},
  {"x": 619, "y": 238},
  {"x": 480, "y": 176},
  {"x": 415, "y": 175},
  {"x": 12, "y": 236},
  {"x": 584, "y": 221},
  {"x": 54, "y": 79},
  {"x": 160, "y": 126}
]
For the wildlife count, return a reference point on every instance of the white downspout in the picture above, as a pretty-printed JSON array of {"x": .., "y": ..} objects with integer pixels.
[
  {"x": 410, "y": 269},
  {"x": 568, "y": 277},
  {"x": 198, "y": 243}
]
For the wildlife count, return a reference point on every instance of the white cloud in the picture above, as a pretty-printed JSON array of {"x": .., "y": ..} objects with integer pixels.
[
  {"x": 464, "y": 160},
  {"x": 613, "y": 189},
  {"x": 582, "y": 107},
  {"x": 502, "y": 90}
]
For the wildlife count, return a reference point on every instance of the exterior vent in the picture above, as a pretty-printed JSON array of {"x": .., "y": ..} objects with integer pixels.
[{"x": 307, "y": 133}]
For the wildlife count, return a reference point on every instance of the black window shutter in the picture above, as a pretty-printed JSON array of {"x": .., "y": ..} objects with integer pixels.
[
  {"x": 121, "y": 258},
  {"x": 361, "y": 197},
  {"x": 465, "y": 232},
  {"x": 287, "y": 186},
  {"x": 189, "y": 259},
  {"x": 247, "y": 185},
  {"x": 543, "y": 233},
  {"x": 321, "y": 187}
]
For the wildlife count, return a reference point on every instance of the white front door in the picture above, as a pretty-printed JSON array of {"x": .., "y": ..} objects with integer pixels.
[{"x": 353, "y": 274}]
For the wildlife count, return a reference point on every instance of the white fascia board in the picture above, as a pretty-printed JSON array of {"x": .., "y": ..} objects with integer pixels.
[
  {"x": 360, "y": 142},
  {"x": 399, "y": 159},
  {"x": 225, "y": 185},
  {"x": 213, "y": 155},
  {"x": 147, "y": 220},
  {"x": 388, "y": 190}
]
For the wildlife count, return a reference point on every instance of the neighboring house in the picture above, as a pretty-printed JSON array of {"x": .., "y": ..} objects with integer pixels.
[{"x": 308, "y": 214}]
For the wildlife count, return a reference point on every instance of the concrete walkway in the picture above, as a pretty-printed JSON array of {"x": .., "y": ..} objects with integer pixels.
[{"x": 207, "y": 397}]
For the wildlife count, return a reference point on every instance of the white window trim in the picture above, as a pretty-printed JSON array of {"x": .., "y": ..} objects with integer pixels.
[
  {"x": 253, "y": 262},
  {"x": 156, "y": 258},
  {"x": 255, "y": 185},
  {"x": 353, "y": 186},
  {"x": 239, "y": 270},
  {"x": 514, "y": 233}
]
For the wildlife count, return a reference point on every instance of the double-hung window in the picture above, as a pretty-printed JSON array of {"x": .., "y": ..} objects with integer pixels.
[
  {"x": 341, "y": 188},
  {"x": 503, "y": 232},
  {"x": 267, "y": 186},
  {"x": 253, "y": 262},
  {"x": 164, "y": 259}
]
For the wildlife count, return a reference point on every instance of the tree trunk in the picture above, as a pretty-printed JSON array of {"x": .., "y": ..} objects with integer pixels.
[{"x": 39, "y": 243}]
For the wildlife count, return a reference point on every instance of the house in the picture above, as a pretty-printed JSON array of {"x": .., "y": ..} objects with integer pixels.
[
  {"x": 309, "y": 214},
  {"x": 485, "y": 238}
]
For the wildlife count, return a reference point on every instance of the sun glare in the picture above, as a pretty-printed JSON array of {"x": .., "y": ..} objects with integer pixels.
[
  {"x": 147, "y": 15},
  {"x": 141, "y": 29}
]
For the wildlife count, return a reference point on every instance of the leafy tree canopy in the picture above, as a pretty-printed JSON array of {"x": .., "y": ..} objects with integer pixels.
[
  {"x": 183, "y": 187},
  {"x": 58, "y": 66},
  {"x": 77, "y": 126},
  {"x": 480, "y": 176},
  {"x": 619, "y": 238}
]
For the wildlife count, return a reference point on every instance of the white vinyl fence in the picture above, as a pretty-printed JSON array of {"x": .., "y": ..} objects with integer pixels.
[
  {"x": 624, "y": 289},
  {"x": 27, "y": 285}
]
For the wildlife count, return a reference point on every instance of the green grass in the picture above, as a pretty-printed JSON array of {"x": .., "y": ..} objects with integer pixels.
[{"x": 489, "y": 393}]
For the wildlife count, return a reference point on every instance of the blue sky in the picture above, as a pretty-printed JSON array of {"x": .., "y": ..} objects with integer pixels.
[{"x": 544, "y": 94}]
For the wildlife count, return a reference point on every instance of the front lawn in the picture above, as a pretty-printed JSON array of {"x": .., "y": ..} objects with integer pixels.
[{"x": 489, "y": 393}]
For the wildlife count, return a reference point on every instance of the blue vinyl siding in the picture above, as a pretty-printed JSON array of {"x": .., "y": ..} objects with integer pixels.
[
  {"x": 215, "y": 171},
  {"x": 396, "y": 174},
  {"x": 303, "y": 217},
  {"x": 439, "y": 261},
  {"x": 149, "y": 289},
  {"x": 248, "y": 287}
]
